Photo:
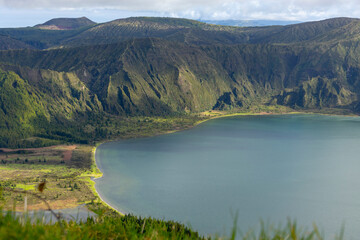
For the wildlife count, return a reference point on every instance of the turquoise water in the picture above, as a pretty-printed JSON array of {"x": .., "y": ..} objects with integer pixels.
[{"x": 306, "y": 167}]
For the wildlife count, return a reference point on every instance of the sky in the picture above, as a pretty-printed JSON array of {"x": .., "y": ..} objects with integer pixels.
[{"x": 22, "y": 13}]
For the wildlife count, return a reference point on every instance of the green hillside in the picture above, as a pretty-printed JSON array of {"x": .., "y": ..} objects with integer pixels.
[
  {"x": 32, "y": 37},
  {"x": 172, "y": 67},
  {"x": 45, "y": 104},
  {"x": 20, "y": 106},
  {"x": 8, "y": 43}
]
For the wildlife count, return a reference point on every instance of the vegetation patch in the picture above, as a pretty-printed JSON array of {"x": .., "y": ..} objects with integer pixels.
[
  {"x": 25, "y": 187},
  {"x": 66, "y": 174}
]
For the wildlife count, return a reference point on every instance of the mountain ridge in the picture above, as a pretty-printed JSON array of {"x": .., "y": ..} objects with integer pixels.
[
  {"x": 182, "y": 30},
  {"x": 166, "y": 67},
  {"x": 250, "y": 23}
]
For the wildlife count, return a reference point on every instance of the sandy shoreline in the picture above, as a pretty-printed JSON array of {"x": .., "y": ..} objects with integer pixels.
[
  {"x": 103, "y": 201},
  {"x": 94, "y": 180}
]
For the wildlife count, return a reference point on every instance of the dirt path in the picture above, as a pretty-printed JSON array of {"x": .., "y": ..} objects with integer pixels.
[
  {"x": 60, "y": 147},
  {"x": 68, "y": 153}
]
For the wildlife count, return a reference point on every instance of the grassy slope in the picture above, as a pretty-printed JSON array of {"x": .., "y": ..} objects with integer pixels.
[
  {"x": 20, "y": 109},
  {"x": 41, "y": 106},
  {"x": 108, "y": 227},
  {"x": 112, "y": 226},
  {"x": 8, "y": 43}
]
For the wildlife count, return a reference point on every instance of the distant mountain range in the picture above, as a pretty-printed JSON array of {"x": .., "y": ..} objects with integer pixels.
[
  {"x": 74, "y": 23},
  {"x": 164, "y": 66},
  {"x": 250, "y": 23}
]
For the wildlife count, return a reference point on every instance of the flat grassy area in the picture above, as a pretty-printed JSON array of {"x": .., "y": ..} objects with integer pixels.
[
  {"x": 66, "y": 155},
  {"x": 257, "y": 110},
  {"x": 65, "y": 169}
]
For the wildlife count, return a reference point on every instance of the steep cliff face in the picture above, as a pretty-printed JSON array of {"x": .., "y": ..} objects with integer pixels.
[
  {"x": 154, "y": 76},
  {"x": 60, "y": 93},
  {"x": 164, "y": 66},
  {"x": 318, "y": 93},
  {"x": 40, "y": 101}
]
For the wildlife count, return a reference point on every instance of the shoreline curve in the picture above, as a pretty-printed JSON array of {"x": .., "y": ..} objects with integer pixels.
[
  {"x": 95, "y": 178},
  {"x": 97, "y": 168}
]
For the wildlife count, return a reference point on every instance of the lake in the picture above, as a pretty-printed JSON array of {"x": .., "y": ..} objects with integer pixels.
[{"x": 305, "y": 167}]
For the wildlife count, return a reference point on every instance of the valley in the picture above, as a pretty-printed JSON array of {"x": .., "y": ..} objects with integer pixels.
[{"x": 69, "y": 84}]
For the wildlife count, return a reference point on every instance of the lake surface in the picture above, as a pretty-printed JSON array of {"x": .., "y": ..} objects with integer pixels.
[{"x": 306, "y": 167}]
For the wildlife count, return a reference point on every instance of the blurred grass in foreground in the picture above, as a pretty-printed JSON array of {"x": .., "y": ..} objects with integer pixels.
[{"x": 113, "y": 226}]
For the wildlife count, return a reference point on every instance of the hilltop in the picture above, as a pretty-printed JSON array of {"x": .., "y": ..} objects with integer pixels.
[{"x": 65, "y": 23}]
